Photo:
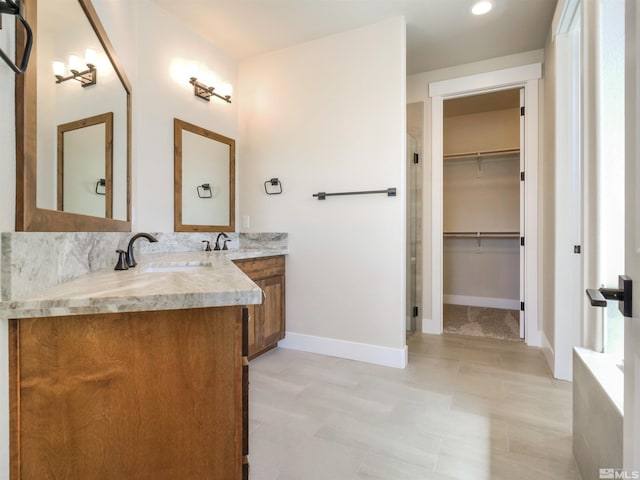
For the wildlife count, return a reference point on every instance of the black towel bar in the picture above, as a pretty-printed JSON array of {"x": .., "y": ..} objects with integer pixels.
[{"x": 391, "y": 192}]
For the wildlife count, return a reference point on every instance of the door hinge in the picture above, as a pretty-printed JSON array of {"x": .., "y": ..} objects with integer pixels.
[
  {"x": 522, "y": 306},
  {"x": 522, "y": 176},
  {"x": 576, "y": 249},
  {"x": 415, "y": 311},
  {"x": 522, "y": 111},
  {"x": 522, "y": 241},
  {"x": 416, "y": 158}
]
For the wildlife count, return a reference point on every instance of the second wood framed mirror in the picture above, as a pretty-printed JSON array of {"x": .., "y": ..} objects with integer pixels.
[
  {"x": 85, "y": 165},
  {"x": 204, "y": 179}
]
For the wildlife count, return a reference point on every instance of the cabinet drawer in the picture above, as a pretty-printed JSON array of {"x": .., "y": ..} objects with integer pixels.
[{"x": 258, "y": 268}]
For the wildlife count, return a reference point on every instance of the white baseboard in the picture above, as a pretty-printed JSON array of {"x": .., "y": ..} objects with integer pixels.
[
  {"x": 486, "y": 302},
  {"x": 430, "y": 326},
  {"x": 362, "y": 352},
  {"x": 549, "y": 353}
]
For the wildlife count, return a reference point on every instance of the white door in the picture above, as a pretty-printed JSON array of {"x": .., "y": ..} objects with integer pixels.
[{"x": 632, "y": 238}]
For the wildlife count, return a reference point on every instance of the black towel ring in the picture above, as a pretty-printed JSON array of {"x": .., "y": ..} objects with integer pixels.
[{"x": 17, "y": 8}]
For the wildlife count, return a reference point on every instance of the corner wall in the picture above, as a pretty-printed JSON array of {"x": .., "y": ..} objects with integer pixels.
[
  {"x": 344, "y": 97},
  {"x": 547, "y": 207}
]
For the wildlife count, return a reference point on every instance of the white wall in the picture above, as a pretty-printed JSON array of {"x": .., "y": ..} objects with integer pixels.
[{"x": 329, "y": 115}]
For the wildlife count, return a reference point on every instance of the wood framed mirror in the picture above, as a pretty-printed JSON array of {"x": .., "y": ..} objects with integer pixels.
[
  {"x": 62, "y": 28},
  {"x": 204, "y": 179},
  {"x": 85, "y": 166}
]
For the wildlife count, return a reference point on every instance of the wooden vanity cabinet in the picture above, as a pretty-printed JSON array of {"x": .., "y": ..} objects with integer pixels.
[
  {"x": 266, "y": 321},
  {"x": 144, "y": 395}
]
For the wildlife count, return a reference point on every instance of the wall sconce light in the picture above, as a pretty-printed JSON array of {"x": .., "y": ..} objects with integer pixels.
[
  {"x": 205, "y": 92},
  {"x": 85, "y": 77}
]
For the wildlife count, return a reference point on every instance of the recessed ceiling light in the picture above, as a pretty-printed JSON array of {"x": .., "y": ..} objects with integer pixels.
[{"x": 480, "y": 8}]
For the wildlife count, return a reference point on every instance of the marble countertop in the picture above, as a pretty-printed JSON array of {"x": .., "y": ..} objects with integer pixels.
[{"x": 166, "y": 281}]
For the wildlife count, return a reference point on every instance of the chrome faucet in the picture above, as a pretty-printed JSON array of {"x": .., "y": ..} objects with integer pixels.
[
  {"x": 221, "y": 234},
  {"x": 131, "y": 261}
]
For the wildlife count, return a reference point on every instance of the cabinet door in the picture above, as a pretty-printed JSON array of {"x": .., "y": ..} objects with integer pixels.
[{"x": 272, "y": 310}]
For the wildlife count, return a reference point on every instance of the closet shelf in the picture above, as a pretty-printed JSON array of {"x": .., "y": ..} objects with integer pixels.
[
  {"x": 482, "y": 154},
  {"x": 482, "y": 234}
]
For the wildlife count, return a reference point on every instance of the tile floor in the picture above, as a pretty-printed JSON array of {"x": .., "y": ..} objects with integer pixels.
[
  {"x": 495, "y": 323},
  {"x": 464, "y": 408}
]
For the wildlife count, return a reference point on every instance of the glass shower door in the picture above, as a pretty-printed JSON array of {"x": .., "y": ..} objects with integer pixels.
[{"x": 412, "y": 233}]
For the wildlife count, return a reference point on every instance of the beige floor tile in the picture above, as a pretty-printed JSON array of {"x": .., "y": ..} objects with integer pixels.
[
  {"x": 539, "y": 442},
  {"x": 534, "y": 412},
  {"x": 282, "y": 452},
  {"x": 383, "y": 439},
  {"x": 464, "y": 408},
  {"x": 507, "y": 375},
  {"x": 375, "y": 467}
]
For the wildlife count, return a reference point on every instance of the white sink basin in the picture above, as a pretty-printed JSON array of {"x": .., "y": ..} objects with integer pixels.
[{"x": 176, "y": 268}]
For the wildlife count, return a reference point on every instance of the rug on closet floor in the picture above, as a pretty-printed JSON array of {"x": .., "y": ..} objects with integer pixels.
[{"x": 482, "y": 322}]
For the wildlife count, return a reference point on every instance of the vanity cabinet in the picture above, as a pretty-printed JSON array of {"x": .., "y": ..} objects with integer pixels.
[
  {"x": 266, "y": 324},
  {"x": 144, "y": 395}
]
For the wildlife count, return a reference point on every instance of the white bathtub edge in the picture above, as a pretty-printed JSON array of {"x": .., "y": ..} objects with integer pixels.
[{"x": 605, "y": 370}]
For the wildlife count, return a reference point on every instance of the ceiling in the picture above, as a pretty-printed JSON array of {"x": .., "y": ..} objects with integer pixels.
[
  {"x": 485, "y": 102},
  {"x": 440, "y": 33}
]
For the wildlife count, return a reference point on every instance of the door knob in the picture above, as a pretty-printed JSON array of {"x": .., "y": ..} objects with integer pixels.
[{"x": 623, "y": 294}]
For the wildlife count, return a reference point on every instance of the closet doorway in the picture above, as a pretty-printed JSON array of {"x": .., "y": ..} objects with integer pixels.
[
  {"x": 483, "y": 215},
  {"x": 526, "y": 77}
]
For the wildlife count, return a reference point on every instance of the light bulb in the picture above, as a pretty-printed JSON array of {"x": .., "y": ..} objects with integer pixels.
[
  {"x": 192, "y": 70},
  {"x": 225, "y": 90},
  {"x": 58, "y": 68},
  {"x": 75, "y": 63},
  {"x": 480, "y": 8},
  {"x": 90, "y": 56},
  {"x": 210, "y": 80}
]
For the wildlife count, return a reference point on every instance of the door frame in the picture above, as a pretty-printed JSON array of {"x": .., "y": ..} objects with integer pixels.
[
  {"x": 527, "y": 77},
  {"x": 631, "y": 442},
  {"x": 570, "y": 216}
]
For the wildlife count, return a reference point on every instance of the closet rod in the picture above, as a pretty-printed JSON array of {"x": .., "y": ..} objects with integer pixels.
[
  {"x": 482, "y": 234},
  {"x": 482, "y": 153}
]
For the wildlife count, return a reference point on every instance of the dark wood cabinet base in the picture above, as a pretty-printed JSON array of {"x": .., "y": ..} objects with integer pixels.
[{"x": 143, "y": 395}]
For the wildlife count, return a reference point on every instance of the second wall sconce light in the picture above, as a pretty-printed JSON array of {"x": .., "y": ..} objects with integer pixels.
[
  {"x": 206, "y": 92},
  {"x": 86, "y": 76}
]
